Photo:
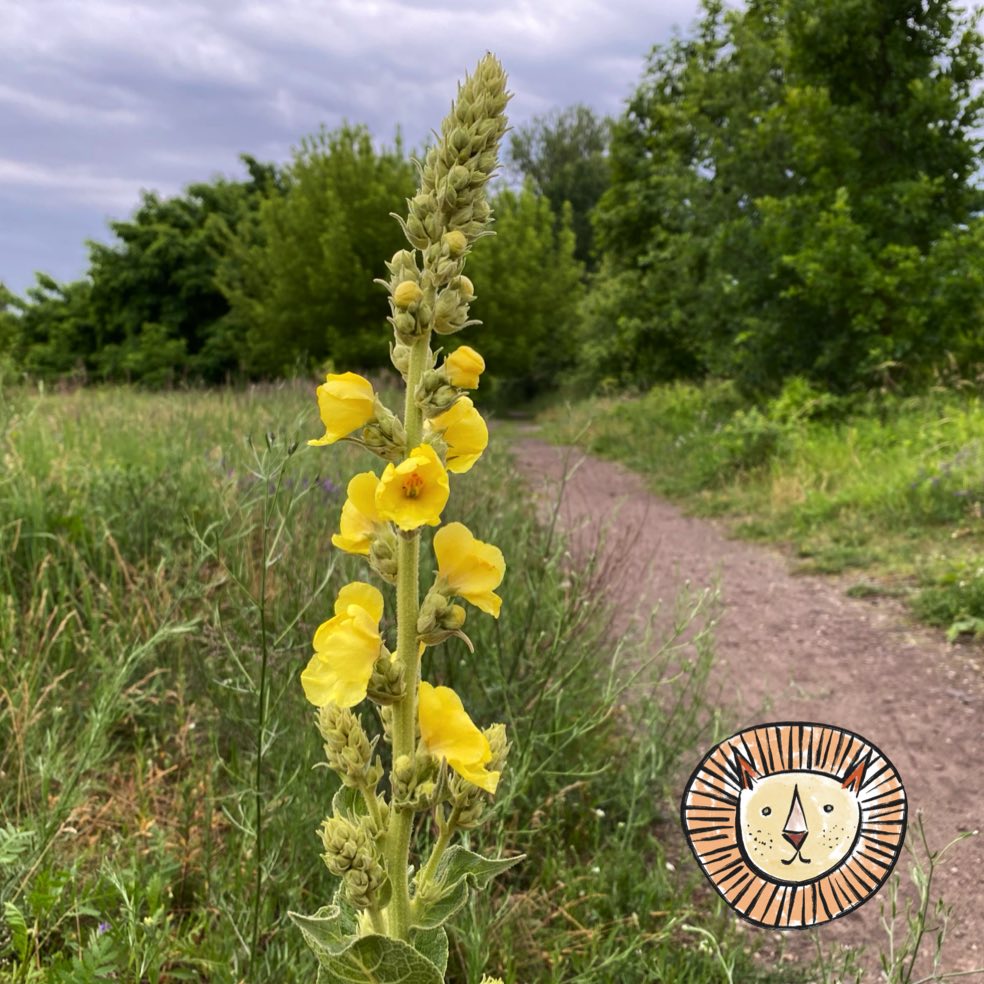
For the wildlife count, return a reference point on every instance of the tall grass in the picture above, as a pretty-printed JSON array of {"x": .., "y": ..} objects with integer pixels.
[{"x": 165, "y": 560}]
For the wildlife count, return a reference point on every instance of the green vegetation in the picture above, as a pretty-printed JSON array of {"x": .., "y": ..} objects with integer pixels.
[
  {"x": 888, "y": 487},
  {"x": 794, "y": 192},
  {"x": 154, "y": 551}
]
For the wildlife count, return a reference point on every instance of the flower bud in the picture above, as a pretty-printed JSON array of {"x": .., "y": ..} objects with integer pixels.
[
  {"x": 439, "y": 618},
  {"x": 400, "y": 357},
  {"x": 463, "y": 367},
  {"x": 414, "y": 781},
  {"x": 386, "y": 685},
  {"x": 406, "y": 293},
  {"x": 466, "y": 288},
  {"x": 384, "y": 434},
  {"x": 347, "y": 747},
  {"x": 383, "y": 554},
  {"x": 456, "y": 242}
]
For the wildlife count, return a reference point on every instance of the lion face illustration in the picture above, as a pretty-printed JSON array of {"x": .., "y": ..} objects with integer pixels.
[{"x": 795, "y": 824}]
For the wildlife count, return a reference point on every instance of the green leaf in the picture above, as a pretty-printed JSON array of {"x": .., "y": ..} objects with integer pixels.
[
  {"x": 457, "y": 871},
  {"x": 329, "y": 931},
  {"x": 378, "y": 960},
  {"x": 458, "y": 862},
  {"x": 18, "y": 929},
  {"x": 443, "y": 908},
  {"x": 349, "y": 802},
  {"x": 433, "y": 944}
]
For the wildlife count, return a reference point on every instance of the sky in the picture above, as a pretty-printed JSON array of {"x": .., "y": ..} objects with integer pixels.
[{"x": 100, "y": 99}]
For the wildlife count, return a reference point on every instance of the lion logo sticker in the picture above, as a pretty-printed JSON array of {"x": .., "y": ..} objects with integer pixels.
[{"x": 795, "y": 824}]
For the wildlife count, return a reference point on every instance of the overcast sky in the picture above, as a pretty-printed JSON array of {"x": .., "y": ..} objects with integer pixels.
[{"x": 102, "y": 98}]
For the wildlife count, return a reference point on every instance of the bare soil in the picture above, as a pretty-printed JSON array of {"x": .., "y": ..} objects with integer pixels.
[{"x": 795, "y": 647}]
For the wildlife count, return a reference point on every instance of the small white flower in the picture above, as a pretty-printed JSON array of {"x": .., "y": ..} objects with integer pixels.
[{"x": 599, "y": 813}]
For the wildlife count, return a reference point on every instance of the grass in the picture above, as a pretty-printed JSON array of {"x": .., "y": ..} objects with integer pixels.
[
  {"x": 889, "y": 491},
  {"x": 164, "y": 560}
]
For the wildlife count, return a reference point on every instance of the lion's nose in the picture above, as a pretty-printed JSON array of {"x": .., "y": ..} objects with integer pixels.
[{"x": 795, "y": 838}]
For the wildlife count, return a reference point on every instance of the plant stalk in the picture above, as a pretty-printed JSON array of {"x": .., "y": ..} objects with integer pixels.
[{"x": 405, "y": 712}]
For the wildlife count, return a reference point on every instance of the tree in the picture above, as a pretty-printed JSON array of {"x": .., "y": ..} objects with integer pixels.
[
  {"x": 529, "y": 306},
  {"x": 158, "y": 278},
  {"x": 298, "y": 279},
  {"x": 779, "y": 177},
  {"x": 564, "y": 155}
]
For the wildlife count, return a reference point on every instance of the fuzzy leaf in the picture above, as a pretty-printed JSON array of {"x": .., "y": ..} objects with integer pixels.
[
  {"x": 378, "y": 960},
  {"x": 457, "y": 871},
  {"x": 458, "y": 863},
  {"x": 330, "y": 930},
  {"x": 348, "y": 802},
  {"x": 433, "y": 944}
]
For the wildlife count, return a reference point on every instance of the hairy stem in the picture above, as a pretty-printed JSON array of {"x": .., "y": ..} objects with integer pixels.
[{"x": 405, "y": 712}]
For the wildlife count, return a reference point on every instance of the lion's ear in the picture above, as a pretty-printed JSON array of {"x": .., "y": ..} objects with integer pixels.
[
  {"x": 855, "y": 775},
  {"x": 748, "y": 775}
]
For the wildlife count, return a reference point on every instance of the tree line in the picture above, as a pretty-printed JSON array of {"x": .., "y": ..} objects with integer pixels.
[{"x": 792, "y": 190}]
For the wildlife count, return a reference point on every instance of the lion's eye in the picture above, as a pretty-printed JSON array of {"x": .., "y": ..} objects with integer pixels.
[
  {"x": 828, "y": 808},
  {"x": 766, "y": 810}
]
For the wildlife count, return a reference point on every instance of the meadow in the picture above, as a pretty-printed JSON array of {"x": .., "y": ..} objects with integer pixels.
[
  {"x": 165, "y": 560},
  {"x": 884, "y": 490}
]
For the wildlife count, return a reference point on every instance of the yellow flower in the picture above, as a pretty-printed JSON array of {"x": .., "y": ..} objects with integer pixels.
[
  {"x": 346, "y": 403},
  {"x": 449, "y": 733},
  {"x": 359, "y": 515},
  {"x": 414, "y": 492},
  {"x": 463, "y": 366},
  {"x": 469, "y": 567},
  {"x": 465, "y": 433},
  {"x": 346, "y": 648}
]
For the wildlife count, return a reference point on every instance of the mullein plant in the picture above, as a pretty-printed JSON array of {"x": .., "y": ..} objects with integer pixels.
[{"x": 387, "y": 919}]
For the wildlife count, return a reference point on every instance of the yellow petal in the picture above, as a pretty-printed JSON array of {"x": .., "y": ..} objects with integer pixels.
[
  {"x": 449, "y": 733},
  {"x": 346, "y": 402},
  {"x": 471, "y": 568},
  {"x": 465, "y": 432},
  {"x": 363, "y": 596},
  {"x": 463, "y": 367},
  {"x": 414, "y": 493},
  {"x": 346, "y": 649},
  {"x": 359, "y": 515}
]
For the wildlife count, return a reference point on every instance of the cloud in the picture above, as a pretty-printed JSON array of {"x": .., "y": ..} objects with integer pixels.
[
  {"x": 102, "y": 98},
  {"x": 73, "y": 184}
]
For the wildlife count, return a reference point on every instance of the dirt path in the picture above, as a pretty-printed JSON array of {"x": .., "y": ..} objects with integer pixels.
[{"x": 796, "y": 648}]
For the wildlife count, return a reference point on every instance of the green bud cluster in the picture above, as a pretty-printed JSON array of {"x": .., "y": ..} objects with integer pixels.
[
  {"x": 350, "y": 854},
  {"x": 456, "y": 171},
  {"x": 451, "y": 309},
  {"x": 384, "y": 434},
  {"x": 434, "y": 394},
  {"x": 418, "y": 781},
  {"x": 347, "y": 747},
  {"x": 469, "y": 801},
  {"x": 449, "y": 212},
  {"x": 386, "y": 685},
  {"x": 439, "y": 618},
  {"x": 383, "y": 554}
]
